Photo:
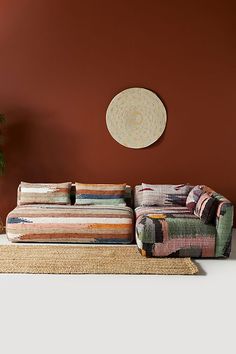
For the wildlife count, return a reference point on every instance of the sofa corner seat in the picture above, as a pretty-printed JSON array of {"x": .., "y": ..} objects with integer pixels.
[{"x": 175, "y": 231}]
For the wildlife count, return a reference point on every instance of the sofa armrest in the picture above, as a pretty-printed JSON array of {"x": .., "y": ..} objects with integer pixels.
[{"x": 224, "y": 226}]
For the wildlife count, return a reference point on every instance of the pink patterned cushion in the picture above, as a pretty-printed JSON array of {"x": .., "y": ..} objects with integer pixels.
[
  {"x": 165, "y": 194},
  {"x": 193, "y": 197}
]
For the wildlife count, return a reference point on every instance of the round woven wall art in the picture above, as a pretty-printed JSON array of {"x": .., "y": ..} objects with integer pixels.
[{"x": 136, "y": 118}]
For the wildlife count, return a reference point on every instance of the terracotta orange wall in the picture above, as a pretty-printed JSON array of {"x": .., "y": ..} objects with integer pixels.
[{"x": 61, "y": 62}]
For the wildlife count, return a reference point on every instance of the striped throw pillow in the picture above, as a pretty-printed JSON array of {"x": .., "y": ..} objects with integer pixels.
[
  {"x": 100, "y": 194},
  {"x": 206, "y": 208},
  {"x": 44, "y": 193},
  {"x": 165, "y": 194}
]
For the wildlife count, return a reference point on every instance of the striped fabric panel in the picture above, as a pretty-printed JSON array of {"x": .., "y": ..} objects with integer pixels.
[
  {"x": 100, "y": 194},
  {"x": 44, "y": 193},
  {"x": 206, "y": 208},
  {"x": 81, "y": 224},
  {"x": 165, "y": 194}
]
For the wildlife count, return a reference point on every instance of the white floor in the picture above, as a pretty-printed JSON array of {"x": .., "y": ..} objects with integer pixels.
[{"x": 121, "y": 314}]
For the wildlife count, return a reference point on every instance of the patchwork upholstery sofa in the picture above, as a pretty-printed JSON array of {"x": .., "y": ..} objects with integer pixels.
[
  {"x": 53, "y": 216},
  {"x": 173, "y": 226},
  {"x": 171, "y": 220}
]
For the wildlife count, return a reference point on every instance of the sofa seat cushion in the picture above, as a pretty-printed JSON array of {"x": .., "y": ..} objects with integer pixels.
[
  {"x": 51, "y": 223},
  {"x": 175, "y": 231}
]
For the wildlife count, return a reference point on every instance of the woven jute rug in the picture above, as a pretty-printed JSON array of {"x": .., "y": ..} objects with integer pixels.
[{"x": 87, "y": 259}]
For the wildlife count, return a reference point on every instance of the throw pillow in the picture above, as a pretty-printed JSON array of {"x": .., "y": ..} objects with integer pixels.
[
  {"x": 165, "y": 194},
  {"x": 206, "y": 208},
  {"x": 100, "y": 194},
  {"x": 44, "y": 193},
  {"x": 193, "y": 197}
]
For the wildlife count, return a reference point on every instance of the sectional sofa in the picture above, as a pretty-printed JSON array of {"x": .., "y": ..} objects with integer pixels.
[{"x": 167, "y": 220}]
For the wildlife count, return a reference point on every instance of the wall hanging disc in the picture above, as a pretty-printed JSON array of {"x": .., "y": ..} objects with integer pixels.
[{"x": 136, "y": 117}]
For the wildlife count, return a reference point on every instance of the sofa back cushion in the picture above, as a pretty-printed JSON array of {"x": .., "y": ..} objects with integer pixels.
[
  {"x": 193, "y": 197},
  {"x": 100, "y": 194},
  {"x": 165, "y": 194},
  {"x": 44, "y": 193},
  {"x": 206, "y": 208}
]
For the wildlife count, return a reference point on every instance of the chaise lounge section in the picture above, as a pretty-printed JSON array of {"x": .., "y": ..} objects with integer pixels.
[{"x": 70, "y": 223}]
